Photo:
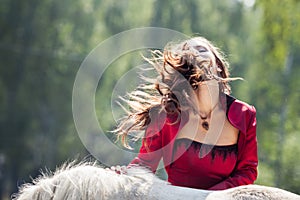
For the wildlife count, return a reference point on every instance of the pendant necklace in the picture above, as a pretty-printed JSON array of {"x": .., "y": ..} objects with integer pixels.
[{"x": 205, "y": 123}]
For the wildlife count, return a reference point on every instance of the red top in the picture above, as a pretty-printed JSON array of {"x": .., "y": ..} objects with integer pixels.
[
  {"x": 191, "y": 167},
  {"x": 159, "y": 142}
]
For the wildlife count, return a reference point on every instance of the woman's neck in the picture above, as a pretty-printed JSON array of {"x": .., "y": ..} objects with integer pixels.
[{"x": 207, "y": 99}]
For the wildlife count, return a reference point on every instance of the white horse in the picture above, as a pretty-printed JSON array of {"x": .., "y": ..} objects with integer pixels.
[{"x": 89, "y": 181}]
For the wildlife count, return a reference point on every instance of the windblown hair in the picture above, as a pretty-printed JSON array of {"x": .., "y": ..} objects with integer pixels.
[
  {"x": 180, "y": 70},
  {"x": 89, "y": 181}
]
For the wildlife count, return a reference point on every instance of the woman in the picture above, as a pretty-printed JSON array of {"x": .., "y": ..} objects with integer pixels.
[{"x": 206, "y": 138}]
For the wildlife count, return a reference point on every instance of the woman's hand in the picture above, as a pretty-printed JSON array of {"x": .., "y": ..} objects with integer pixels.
[{"x": 118, "y": 169}]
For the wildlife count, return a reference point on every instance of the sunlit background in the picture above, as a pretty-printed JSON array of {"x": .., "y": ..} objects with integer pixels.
[{"x": 44, "y": 42}]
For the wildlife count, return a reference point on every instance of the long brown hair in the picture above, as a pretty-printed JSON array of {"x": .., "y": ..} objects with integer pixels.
[{"x": 180, "y": 69}]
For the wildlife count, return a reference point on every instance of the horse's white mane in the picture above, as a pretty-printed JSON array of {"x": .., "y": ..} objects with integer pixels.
[{"x": 88, "y": 180}]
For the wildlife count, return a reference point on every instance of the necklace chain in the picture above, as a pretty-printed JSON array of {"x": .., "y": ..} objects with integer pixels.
[
  {"x": 205, "y": 124},
  {"x": 205, "y": 117}
]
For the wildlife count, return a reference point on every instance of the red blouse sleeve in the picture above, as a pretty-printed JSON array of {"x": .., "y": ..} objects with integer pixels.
[
  {"x": 246, "y": 168},
  {"x": 150, "y": 152}
]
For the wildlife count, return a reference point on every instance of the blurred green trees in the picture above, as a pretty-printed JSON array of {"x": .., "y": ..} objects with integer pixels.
[{"x": 43, "y": 43}]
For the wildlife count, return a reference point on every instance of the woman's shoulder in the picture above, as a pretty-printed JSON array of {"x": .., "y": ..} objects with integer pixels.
[
  {"x": 236, "y": 105},
  {"x": 240, "y": 114}
]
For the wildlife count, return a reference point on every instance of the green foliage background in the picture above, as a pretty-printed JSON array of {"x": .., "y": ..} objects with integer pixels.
[{"x": 42, "y": 44}]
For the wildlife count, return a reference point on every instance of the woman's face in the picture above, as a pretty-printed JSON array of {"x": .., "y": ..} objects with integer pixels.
[
  {"x": 205, "y": 52},
  {"x": 209, "y": 88}
]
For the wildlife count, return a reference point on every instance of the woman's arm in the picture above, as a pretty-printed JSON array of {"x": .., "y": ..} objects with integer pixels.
[{"x": 151, "y": 150}]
